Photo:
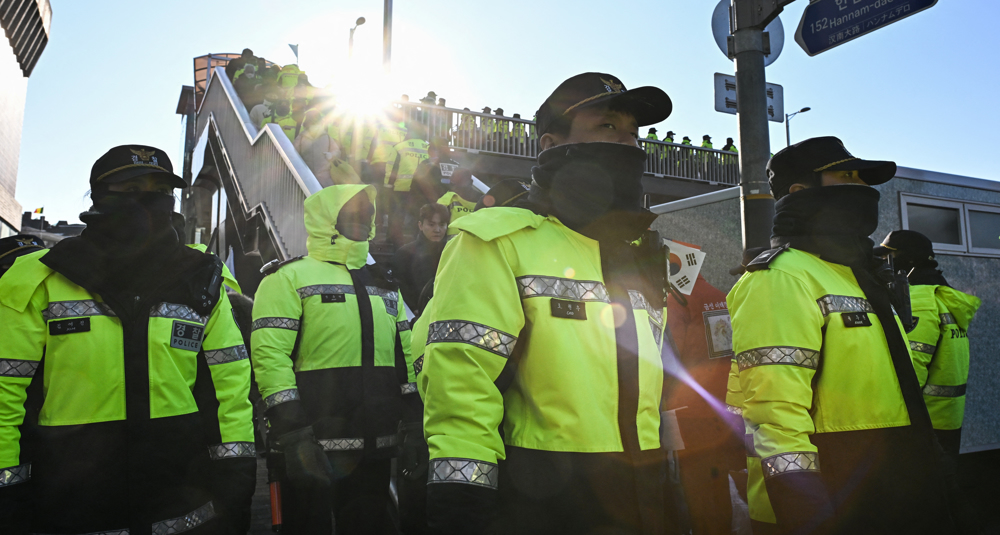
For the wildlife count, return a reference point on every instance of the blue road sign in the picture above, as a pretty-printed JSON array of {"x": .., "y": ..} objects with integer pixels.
[{"x": 826, "y": 24}]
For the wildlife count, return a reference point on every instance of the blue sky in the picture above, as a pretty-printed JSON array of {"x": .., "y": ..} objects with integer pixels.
[{"x": 920, "y": 92}]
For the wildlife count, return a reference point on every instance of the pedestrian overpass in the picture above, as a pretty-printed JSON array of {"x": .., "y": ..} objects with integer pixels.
[{"x": 249, "y": 183}]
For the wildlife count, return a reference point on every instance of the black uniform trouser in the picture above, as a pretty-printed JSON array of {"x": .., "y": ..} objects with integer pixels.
[
  {"x": 548, "y": 493},
  {"x": 358, "y": 499}
]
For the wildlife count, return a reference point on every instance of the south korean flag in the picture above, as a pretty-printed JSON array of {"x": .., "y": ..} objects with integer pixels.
[{"x": 684, "y": 265}]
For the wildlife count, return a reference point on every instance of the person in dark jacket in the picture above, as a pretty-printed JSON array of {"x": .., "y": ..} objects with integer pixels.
[{"x": 416, "y": 262}]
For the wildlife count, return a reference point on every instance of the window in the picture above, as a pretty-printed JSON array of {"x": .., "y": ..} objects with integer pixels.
[
  {"x": 984, "y": 229},
  {"x": 954, "y": 227}
]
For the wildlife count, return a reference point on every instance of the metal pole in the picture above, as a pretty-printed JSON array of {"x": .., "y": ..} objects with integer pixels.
[
  {"x": 387, "y": 37},
  {"x": 350, "y": 44},
  {"x": 788, "y": 131},
  {"x": 756, "y": 200}
]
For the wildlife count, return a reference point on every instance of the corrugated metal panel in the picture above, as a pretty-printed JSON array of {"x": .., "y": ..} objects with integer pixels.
[{"x": 26, "y": 24}]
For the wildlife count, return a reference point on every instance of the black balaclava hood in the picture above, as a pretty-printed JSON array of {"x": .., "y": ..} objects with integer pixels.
[
  {"x": 126, "y": 224},
  {"x": 834, "y": 222},
  {"x": 593, "y": 188}
]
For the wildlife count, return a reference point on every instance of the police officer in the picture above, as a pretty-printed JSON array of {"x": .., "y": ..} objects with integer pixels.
[
  {"x": 556, "y": 337},
  {"x": 399, "y": 181},
  {"x": 124, "y": 375},
  {"x": 730, "y": 146},
  {"x": 432, "y": 178},
  {"x": 939, "y": 340},
  {"x": 830, "y": 395},
  {"x": 329, "y": 361},
  {"x": 461, "y": 198},
  {"x": 14, "y": 247},
  {"x": 391, "y": 130},
  {"x": 651, "y": 134}
]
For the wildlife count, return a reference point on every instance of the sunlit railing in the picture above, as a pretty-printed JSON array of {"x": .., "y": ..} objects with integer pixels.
[
  {"x": 483, "y": 132},
  {"x": 270, "y": 177}
]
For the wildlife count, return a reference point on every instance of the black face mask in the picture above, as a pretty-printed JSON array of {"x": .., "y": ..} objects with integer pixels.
[
  {"x": 130, "y": 223},
  {"x": 593, "y": 188},
  {"x": 834, "y": 222}
]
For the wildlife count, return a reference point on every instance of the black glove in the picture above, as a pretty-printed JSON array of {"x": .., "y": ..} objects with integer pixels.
[
  {"x": 305, "y": 462},
  {"x": 413, "y": 455}
]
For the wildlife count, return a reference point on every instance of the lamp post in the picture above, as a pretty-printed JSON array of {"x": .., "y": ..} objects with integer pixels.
[
  {"x": 387, "y": 36},
  {"x": 788, "y": 131},
  {"x": 350, "y": 42}
]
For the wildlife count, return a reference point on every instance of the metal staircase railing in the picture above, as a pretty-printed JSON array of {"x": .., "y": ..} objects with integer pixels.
[{"x": 265, "y": 178}]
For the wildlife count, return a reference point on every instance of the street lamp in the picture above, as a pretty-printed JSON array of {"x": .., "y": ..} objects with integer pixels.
[
  {"x": 788, "y": 133},
  {"x": 350, "y": 43}
]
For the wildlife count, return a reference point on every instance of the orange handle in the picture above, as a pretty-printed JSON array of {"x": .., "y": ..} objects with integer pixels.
[{"x": 275, "y": 506}]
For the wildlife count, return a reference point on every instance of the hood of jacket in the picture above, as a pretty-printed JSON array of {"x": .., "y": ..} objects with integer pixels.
[
  {"x": 961, "y": 305},
  {"x": 325, "y": 243}
]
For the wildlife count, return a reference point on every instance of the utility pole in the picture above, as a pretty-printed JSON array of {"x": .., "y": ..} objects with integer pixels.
[
  {"x": 387, "y": 37},
  {"x": 748, "y": 45}
]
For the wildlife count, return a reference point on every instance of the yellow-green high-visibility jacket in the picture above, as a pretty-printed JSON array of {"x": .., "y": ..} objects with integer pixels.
[
  {"x": 122, "y": 411},
  {"x": 409, "y": 154},
  {"x": 538, "y": 309},
  {"x": 418, "y": 343},
  {"x": 325, "y": 344},
  {"x": 287, "y": 123},
  {"x": 759, "y": 505},
  {"x": 517, "y": 131},
  {"x": 468, "y": 123},
  {"x": 458, "y": 206},
  {"x": 488, "y": 124},
  {"x": 939, "y": 344},
  {"x": 288, "y": 78},
  {"x": 805, "y": 373},
  {"x": 388, "y": 136}
]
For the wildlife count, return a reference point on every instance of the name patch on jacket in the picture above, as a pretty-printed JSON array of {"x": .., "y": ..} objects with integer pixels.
[
  {"x": 856, "y": 319},
  {"x": 79, "y": 325},
  {"x": 573, "y": 310},
  {"x": 333, "y": 298},
  {"x": 186, "y": 336}
]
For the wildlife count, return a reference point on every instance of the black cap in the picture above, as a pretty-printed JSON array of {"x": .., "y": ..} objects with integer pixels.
[
  {"x": 487, "y": 109},
  {"x": 12, "y": 247},
  {"x": 706, "y": 136},
  {"x": 800, "y": 161},
  {"x": 670, "y": 133},
  {"x": 504, "y": 193},
  {"x": 729, "y": 140},
  {"x": 906, "y": 243},
  {"x": 652, "y": 130},
  {"x": 649, "y": 105},
  {"x": 498, "y": 111},
  {"x": 129, "y": 161}
]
